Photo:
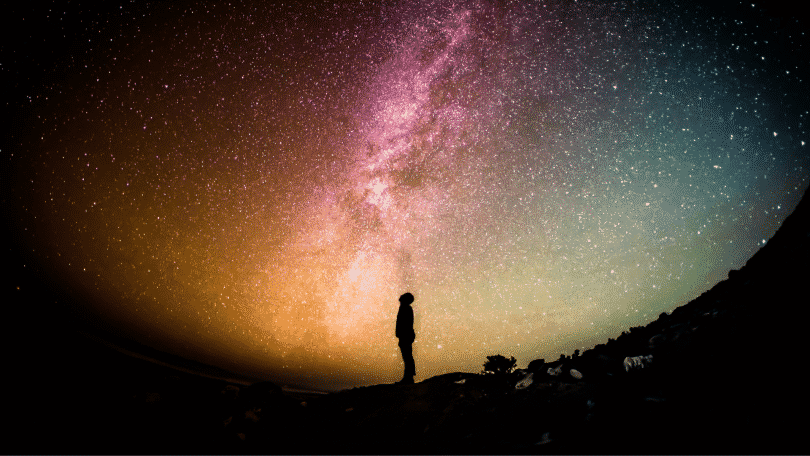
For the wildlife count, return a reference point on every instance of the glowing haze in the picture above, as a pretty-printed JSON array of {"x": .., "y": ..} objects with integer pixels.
[{"x": 254, "y": 186}]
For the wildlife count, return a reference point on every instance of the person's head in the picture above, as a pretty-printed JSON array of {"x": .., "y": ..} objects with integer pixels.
[{"x": 406, "y": 299}]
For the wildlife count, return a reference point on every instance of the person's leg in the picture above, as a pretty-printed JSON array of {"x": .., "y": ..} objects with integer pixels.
[
  {"x": 411, "y": 366},
  {"x": 407, "y": 357}
]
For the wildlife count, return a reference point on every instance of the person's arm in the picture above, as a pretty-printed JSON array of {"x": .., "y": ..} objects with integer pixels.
[{"x": 413, "y": 331}]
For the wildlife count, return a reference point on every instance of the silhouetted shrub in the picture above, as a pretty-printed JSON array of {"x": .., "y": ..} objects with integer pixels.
[{"x": 499, "y": 365}]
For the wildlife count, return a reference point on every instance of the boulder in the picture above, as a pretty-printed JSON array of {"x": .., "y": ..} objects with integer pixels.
[
  {"x": 637, "y": 362},
  {"x": 525, "y": 381}
]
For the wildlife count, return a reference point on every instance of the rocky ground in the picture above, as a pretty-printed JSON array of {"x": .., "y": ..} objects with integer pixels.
[{"x": 725, "y": 376}]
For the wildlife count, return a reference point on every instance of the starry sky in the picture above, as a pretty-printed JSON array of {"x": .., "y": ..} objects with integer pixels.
[{"x": 252, "y": 186}]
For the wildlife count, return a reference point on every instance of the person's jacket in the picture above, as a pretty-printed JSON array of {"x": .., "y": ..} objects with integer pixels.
[{"x": 405, "y": 323}]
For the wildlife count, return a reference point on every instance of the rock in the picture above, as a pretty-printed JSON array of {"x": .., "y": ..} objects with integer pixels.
[
  {"x": 576, "y": 374},
  {"x": 637, "y": 362},
  {"x": 525, "y": 382},
  {"x": 556, "y": 371}
]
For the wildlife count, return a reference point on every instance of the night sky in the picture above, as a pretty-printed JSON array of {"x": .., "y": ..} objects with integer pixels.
[{"x": 252, "y": 186}]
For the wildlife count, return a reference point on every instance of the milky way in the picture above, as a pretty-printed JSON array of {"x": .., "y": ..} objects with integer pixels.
[{"x": 254, "y": 186}]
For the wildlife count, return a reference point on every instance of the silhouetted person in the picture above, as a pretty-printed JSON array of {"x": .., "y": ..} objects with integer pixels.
[{"x": 406, "y": 336}]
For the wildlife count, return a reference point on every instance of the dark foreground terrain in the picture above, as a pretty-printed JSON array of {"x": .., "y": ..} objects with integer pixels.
[{"x": 726, "y": 376}]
